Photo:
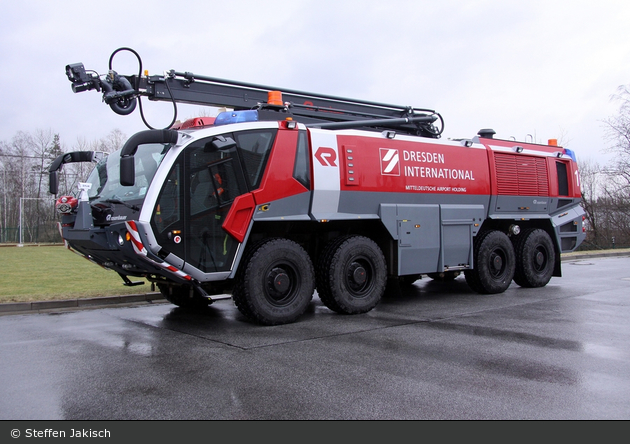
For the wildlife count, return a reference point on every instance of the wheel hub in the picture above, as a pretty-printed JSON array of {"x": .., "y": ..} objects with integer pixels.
[
  {"x": 358, "y": 274},
  {"x": 496, "y": 262},
  {"x": 280, "y": 281},
  {"x": 539, "y": 258}
]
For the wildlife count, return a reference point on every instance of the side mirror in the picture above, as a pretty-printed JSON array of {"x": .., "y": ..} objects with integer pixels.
[
  {"x": 127, "y": 165},
  {"x": 53, "y": 182},
  {"x": 127, "y": 171},
  {"x": 62, "y": 159}
]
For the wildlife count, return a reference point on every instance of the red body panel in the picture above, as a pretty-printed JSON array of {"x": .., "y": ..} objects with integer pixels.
[
  {"x": 237, "y": 220},
  {"x": 278, "y": 181},
  {"x": 535, "y": 163},
  {"x": 398, "y": 165}
]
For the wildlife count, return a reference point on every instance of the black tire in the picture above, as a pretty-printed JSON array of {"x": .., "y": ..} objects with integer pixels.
[
  {"x": 352, "y": 275},
  {"x": 444, "y": 276},
  {"x": 275, "y": 283},
  {"x": 535, "y": 258},
  {"x": 181, "y": 296},
  {"x": 494, "y": 263}
]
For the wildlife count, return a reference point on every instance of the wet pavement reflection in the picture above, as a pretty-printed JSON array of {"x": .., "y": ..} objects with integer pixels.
[{"x": 433, "y": 351}]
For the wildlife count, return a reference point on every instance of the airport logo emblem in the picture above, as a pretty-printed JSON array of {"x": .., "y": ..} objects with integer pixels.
[{"x": 390, "y": 162}]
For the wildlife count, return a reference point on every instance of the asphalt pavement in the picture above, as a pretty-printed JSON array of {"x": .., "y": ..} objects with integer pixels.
[{"x": 436, "y": 350}]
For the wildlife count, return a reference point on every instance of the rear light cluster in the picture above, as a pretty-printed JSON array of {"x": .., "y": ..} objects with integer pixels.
[{"x": 66, "y": 204}]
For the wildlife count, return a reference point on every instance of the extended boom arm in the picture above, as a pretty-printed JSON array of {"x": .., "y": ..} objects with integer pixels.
[{"x": 122, "y": 92}]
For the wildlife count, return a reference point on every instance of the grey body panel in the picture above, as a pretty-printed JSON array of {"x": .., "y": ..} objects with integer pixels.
[
  {"x": 289, "y": 208},
  {"x": 432, "y": 237}
]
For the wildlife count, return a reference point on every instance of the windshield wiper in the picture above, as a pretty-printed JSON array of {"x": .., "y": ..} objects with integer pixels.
[{"x": 120, "y": 202}]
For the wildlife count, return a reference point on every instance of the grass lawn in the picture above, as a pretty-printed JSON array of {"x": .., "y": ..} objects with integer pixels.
[{"x": 44, "y": 273}]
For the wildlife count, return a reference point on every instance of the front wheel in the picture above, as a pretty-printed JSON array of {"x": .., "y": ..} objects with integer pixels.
[
  {"x": 535, "y": 259},
  {"x": 494, "y": 263},
  {"x": 275, "y": 283},
  {"x": 352, "y": 275}
]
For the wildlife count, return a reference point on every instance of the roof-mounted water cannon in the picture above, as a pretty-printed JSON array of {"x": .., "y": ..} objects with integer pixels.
[
  {"x": 81, "y": 80},
  {"x": 118, "y": 92}
]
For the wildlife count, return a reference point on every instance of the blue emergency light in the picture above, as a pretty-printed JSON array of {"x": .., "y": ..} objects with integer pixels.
[
  {"x": 227, "y": 117},
  {"x": 570, "y": 153}
]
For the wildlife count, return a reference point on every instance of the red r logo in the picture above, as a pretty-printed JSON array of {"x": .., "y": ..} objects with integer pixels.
[{"x": 326, "y": 156}]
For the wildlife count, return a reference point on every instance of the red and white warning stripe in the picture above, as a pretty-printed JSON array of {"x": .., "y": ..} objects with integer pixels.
[{"x": 139, "y": 248}]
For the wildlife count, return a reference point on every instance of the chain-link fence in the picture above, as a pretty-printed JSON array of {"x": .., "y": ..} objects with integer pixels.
[
  {"x": 39, "y": 234},
  {"x": 35, "y": 221}
]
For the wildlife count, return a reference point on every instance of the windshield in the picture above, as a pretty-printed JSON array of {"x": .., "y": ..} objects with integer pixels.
[{"x": 105, "y": 178}]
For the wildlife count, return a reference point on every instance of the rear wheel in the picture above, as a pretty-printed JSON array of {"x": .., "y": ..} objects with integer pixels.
[
  {"x": 183, "y": 296},
  {"x": 494, "y": 263},
  {"x": 535, "y": 258},
  {"x": 275, "y": 283},
  {"x": 352, "y": 275}
]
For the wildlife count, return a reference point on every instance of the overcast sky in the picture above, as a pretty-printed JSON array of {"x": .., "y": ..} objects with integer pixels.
[{"x": 541, "y": 68}]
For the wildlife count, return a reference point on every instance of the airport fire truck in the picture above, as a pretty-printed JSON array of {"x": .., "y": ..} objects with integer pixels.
[{"x": 288, "y": 192}]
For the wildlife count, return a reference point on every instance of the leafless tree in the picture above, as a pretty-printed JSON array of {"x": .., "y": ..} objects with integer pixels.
[
  {"x": 24, "y": 162},
  {"x": 590, "y": 182},
  {"x": 615, "y": 195}
]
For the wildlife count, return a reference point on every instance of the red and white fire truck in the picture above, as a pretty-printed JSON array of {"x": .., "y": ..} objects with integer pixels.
[{"x": 290, "y": 192}]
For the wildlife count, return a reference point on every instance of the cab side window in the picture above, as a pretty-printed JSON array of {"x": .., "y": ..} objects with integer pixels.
[
  {"x": 563, "y": 179},
  {"x": 254, "y": 147},
  {"x": 301, "y": 172},
  {"x": 167, "y": 209}
]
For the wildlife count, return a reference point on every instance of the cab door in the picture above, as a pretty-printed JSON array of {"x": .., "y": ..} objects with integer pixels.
[
  {"x": 213, "y": 179},
  {"x": 168, "y": 214},
  {"x": 198, "y": 195}
]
